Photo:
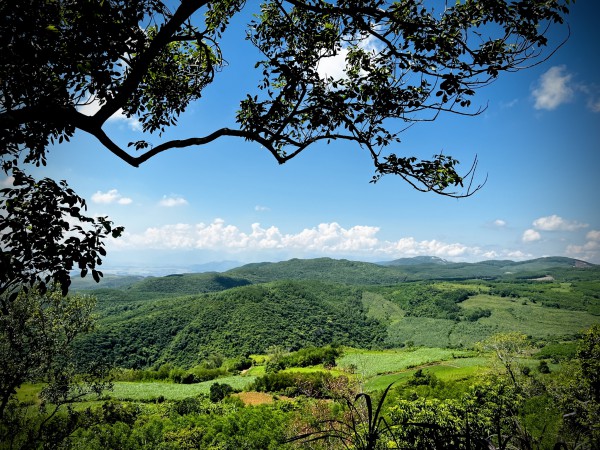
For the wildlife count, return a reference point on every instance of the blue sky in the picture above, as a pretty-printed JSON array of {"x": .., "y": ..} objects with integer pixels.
[{"x": 538, "y": 143}]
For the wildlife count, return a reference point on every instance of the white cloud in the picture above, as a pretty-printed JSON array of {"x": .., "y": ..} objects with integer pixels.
[
  {"x": 172, "y": 201},
  {"x": 93, "y": 106},
  {"x": 553, "y": 88},
  {"x": 499, "y": 223},
  {"x": 7, "y": 182},
  {"x": 590, "y": 251},
  {"x": 593, "y": 235},
  {"x": 557, "y": 223},
  {"x": 594, "y": 104},
  {"x": 518, "y": 254},
  {"x": 335, "y": 66},
  {"x": 261, "y": 208},
  {"x": 325, "y": 239},
  {"x": 111, "y": 196},
  {"x": 531, "y": 236}
]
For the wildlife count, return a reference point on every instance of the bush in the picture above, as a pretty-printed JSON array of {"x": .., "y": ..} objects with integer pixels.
[
  {"x": 543, "y": 367},
  {"x": 219, "y": 391},
  {"x": 313, "y": 384}
]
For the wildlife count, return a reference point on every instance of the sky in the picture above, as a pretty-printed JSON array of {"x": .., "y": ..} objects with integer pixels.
[{"x": 538, "y": 144}]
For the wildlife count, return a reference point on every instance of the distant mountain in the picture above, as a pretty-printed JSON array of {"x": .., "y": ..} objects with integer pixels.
[
  {"x": 406, "y": 269},
  {"x": 337, "y": 271},
  {"x": 189, "y": 283},
  {"x": 324, "y": 269},
  {"x": 424, "y": 268},
  {"x": 213, "y": 266},
  {"x": 415, "y": 261}
]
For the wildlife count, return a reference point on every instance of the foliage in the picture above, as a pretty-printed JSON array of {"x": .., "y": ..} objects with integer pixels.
[
  {"x": 311, "y": 384},
  {"x": 309, "y": 356},
  {"x": 485, "y": 417},
  {"x": 45, "y": 235},
  {"x": 189, "y": 424},
  {"x": 36, "y": 333},
  {"x": 426, "y": 300},
  {"x": 240, "y": 321},
  {"x": 151, "y": 63},
  {"x": 589, "y": 356},
  {"x": 219, "y": 391},
  {"x": 507, "y": 347}
]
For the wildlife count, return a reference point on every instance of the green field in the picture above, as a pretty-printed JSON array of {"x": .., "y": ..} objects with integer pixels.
[
  {"x": 371, "y": 363},
  {"x": 126, "y": 390}
]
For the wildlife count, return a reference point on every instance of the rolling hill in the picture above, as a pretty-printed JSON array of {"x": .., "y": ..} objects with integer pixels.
[{"x": 184, "y": 318}]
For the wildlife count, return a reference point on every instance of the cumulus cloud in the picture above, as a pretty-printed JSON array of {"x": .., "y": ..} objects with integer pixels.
[
  {"x": 554, "y": 88},
  {"x": 557, "y": 223},
  {"x": 593, "y": 235},
  {"x": 590, "y": 251},
  {"x": 172, "y": 201},
  {"x": 518, "y": 254},
  {"x": 261, "y": 208},
  {"x": 531, "y": 235},
  {"x": 335, "y": 66},
  {"x": 109, "y": 197},
  {"x": 93, "y": 106},
  {"x": 499, "y": 223},
  {"x": 325, "y": 239}
]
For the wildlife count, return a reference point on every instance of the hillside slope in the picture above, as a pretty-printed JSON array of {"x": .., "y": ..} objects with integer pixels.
[{"x": 238, "y": 321}]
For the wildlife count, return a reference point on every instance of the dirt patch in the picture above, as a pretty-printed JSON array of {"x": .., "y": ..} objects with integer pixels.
[
  {"x": 258, "y": 398},
  {"x": 255, "y": 398}
]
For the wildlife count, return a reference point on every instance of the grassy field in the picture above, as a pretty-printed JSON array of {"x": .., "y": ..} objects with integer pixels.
[
  {"x": 455, "y": 370},
  {"x": 370, "y": 363},
  {"x": 124, "y": 390},
  {"x": 538, "y": 321},
  {"x": 507, "y": 314}
]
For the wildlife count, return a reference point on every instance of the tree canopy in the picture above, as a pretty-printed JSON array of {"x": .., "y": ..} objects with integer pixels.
[{"x": 404, "y": 62}]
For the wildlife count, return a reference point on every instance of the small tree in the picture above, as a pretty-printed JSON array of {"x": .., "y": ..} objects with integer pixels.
[
  {"x": 36, "y": 333},
  {"x": 507, "y": 347},
  {"x": 218, "y": 391}
]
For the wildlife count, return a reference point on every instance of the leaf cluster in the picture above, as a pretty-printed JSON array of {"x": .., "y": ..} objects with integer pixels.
[{"x": 45, "y": 235}]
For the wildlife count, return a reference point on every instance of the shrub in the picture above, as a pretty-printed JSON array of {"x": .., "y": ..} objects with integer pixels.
[{"x": 219, "y": 391}]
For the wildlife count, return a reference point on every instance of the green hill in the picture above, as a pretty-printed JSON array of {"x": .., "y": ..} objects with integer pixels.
[
  {"x": 238, "y": 321},
  {"x": 190, "y": 283},
  {"x": 325, "y": 269},
  {"x": 184, "y": 318},
  {"x": 406, "y": 269}
]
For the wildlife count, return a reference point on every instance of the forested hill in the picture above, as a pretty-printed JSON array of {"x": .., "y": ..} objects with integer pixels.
[
  {"x": 430, "y": 268},
  {"x": 234, "y": 322},
  {"x": 408, "y": 269},
  {"x": 342, "y": 271},
  {"x": 182, "y": 319},
  {"x": 335, "y": 270}
]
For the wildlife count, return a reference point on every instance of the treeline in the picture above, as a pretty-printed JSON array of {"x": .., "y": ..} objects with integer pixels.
[
  {"x": 582, "y": 295},
  {"x": 428, "y": 300},
  {"x": 310, "y": 356}
]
